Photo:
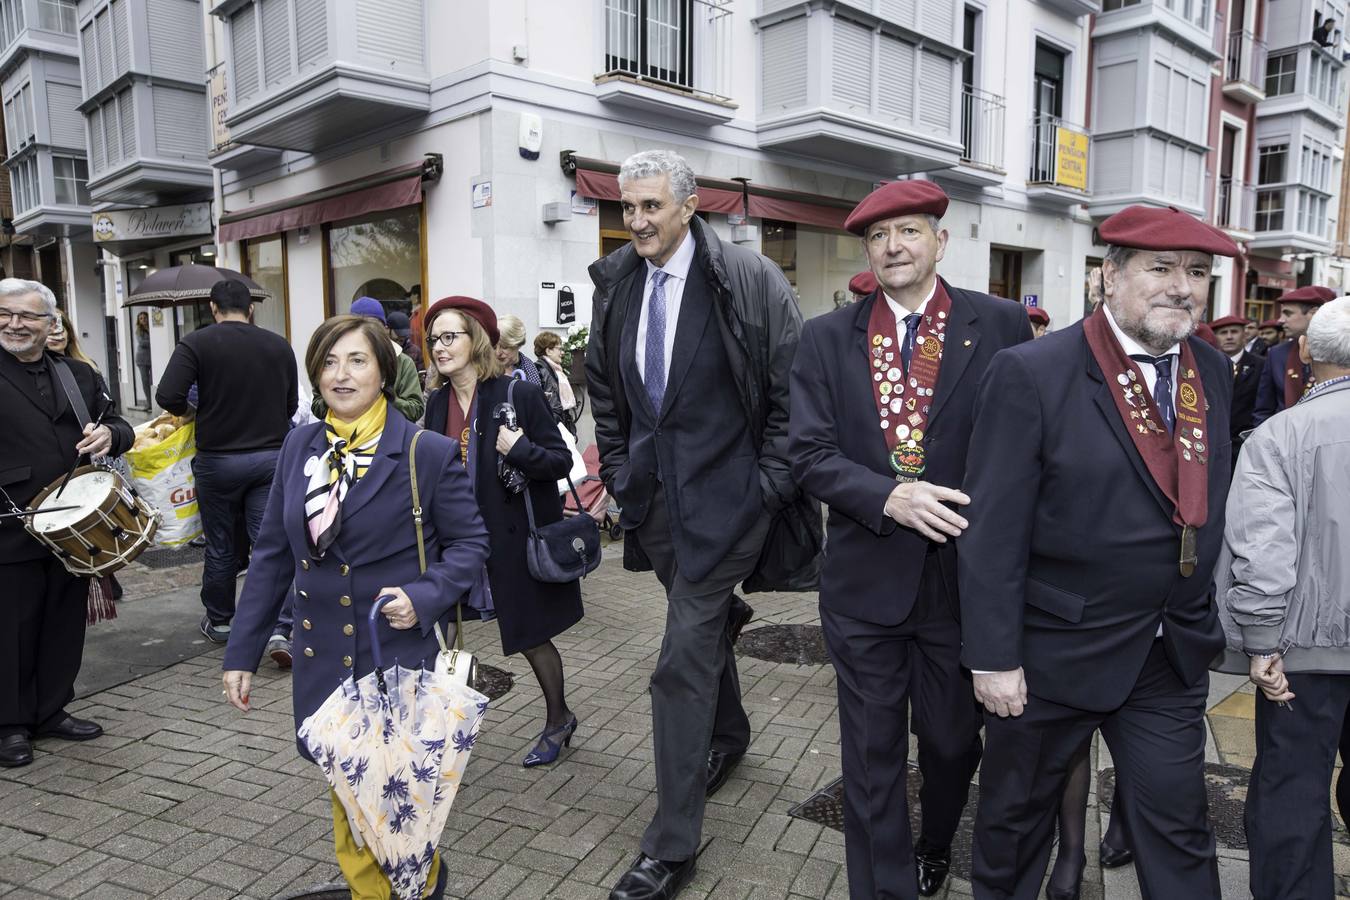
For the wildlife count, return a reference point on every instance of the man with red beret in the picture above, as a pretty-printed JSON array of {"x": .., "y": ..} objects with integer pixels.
[
  {"x": 862, "y": 285},
  {"x": 1286, "y": 378},
  {"x": 1040, "y": 321},
  {"x": 905, "y": 362},
  {"x": 1271, "y": 332},
  {"x": 1231, "y": 332},
  {"x": 1098, "y": 470}
]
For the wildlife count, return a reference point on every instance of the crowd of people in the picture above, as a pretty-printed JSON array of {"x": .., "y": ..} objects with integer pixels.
[{"x": 1033, "y": 535}]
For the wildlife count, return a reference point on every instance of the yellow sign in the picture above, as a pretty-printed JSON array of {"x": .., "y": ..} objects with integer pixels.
[
  {"x": 1071, "y": 158},
  {"x": 220, "y": 106}
]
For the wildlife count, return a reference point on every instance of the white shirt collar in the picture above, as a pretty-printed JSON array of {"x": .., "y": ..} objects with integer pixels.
[
  {"x": 1129, "y": 344},
  {"x": 680, "y": 261},
  {"x": 900, "y": 312},
  {"x": 1237, "y": 357}
]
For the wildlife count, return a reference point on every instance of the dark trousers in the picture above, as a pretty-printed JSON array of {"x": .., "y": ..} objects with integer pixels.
[
  {"x": 1157, "y": 741},
  {"x": 882, "y": 672},
  {"x": 696, "y": 694},
  {"x": 229, "y": 486},
  {"x": 1288, "y": 816},
  {"x": 42, "y": 622}
]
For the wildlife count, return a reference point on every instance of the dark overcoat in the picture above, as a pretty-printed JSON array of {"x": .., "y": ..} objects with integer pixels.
[
  {"x": 529, "y": 612},
  {"x": 1246, "y": 381},
  {"x": 376, "y": 548},
  {"x": 1270, "y": 390}
]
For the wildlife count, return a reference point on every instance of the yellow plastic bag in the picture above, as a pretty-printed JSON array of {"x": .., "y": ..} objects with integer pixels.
[{"x": 163, "y": 475}]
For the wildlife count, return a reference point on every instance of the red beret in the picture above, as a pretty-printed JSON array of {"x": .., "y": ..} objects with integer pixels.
[
  {"x": 1036, "y": 314},
  {"x": 899, "y": 198},
  {"x": 1229, "y": 322},
  {"x": 863, "y": 283},
  {"x": 1206, "y": 334},
  {"x": 1272, "y": 323},
  {"x": 475, "y": 309},
  {"x": 1311, "y": 295},
  {"x": 1150, "y": 228}
]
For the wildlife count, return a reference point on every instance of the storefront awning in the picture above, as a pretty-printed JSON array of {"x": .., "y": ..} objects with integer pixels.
[
  {"x": 389, "y": 190},
  {"x": 792, "y": 206},
  {"x": 600, "y": 181}
]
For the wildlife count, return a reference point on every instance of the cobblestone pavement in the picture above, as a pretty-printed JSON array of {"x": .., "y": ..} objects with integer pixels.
[{"x": 185, "y": 798}]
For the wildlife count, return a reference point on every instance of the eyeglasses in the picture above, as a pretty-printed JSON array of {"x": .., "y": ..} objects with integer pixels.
[
  {"x": 445, "y": 338},
  {"x": 28, "y": 318}
]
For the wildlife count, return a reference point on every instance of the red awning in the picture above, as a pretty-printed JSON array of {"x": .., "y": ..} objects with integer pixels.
[
  {"x": 802, "y": 210},
  {"x": 605, "y": 186},
  {"x": 393, "y": 190}
]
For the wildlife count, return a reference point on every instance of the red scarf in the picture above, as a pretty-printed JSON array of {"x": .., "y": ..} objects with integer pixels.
[
  {"x": 457, "y": 423},
  {"x": 904, "y": 399},
  {"x": 1297, "y": 379},
  {"x": 1176, "y": 461}
]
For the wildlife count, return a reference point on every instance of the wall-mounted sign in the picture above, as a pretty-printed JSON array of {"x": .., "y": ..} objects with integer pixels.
[
  {"x": 565, "y": 303},
  {"x": 161, "y": 222},
  {"x": 1071, "y": 158},
  {"x": 218, "y": 95},
  {"x": 482, "y": 194},
  {"x": 1032, "y": 300}
]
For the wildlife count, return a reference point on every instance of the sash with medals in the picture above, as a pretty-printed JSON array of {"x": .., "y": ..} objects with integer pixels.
[
  {"x": 904, "y": 399},
  {"x": 1296, "y": 379},
  {"x": 1176, "y": 461}
]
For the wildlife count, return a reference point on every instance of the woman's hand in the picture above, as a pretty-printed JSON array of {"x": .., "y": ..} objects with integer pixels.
[
  {"x": 506, "y": 439},
  {"x": 237, "y": 684},
  {"x": 400, "y": 611}
]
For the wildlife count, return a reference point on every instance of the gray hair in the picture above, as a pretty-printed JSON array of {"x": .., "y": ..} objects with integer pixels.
[
  {"x": 1118, "y": 256},
  {"x": 654, "y": 163},
  {"x": 1329, "y": 334},
  {"x": 20, "y": 287}
]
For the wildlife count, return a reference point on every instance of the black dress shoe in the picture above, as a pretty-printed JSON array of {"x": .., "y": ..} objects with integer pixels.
[
  {"x": 719, "y": 769},
  {"x": 15, "y": 750},
  {"x": 1111, "y": 858},
  {"x": 1054, "y": 893},
  {"x": 740, "y": 615},
  {"x": 652, "y": 879},
  {"x": 72, "y": 729},
  {"x": 933, "y": 866}
]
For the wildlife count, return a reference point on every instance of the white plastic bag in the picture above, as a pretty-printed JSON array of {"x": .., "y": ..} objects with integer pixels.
[
  {"x": 578, "y": 471},
  {"x": 162, "y": 474}
]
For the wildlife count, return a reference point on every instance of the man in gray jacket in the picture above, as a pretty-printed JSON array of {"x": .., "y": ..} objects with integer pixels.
[{"x": 1285, "y": 606}]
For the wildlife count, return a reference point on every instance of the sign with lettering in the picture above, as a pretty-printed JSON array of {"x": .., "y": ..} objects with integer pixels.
[
  {"x": 1071, "y": 158},
  {"x": 162, "y": 222},
  {"x": 219, "y": 97},
  {"x": 1032, "y": 300}
]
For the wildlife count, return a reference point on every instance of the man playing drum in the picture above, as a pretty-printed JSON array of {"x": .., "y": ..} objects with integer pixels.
[{"x": 42, "y": 619}]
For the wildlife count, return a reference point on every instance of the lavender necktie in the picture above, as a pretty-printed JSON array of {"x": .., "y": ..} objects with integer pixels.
[{"x": 654, "y": 363}]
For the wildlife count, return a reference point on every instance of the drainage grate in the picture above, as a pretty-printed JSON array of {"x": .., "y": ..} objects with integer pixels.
[
  {"x": 803, "y": 645},
  {"x": 169, "y": 557},
  {"x": 492, "y": 681},
  {"x": 826, "y": 807}
]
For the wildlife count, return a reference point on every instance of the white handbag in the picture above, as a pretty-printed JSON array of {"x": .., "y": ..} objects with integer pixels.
[{"x": 456, "y": 662}]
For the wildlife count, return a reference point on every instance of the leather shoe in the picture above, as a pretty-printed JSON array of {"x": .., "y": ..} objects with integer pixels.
[
  {"x": 738, "y": 617},
  {"x": 933, "y": 866},
  {"x": 73, "y": 729},
  {"x": 652, "y": 879},
  {"x": 15, "y": 750},
  {"x": 1111, "y": 858},
  {"x": 719, "y": 769}
]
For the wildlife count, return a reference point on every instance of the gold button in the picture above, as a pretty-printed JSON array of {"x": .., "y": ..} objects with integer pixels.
[
  {"x": 343, "y": 569},
  {"x": 309, "y": 651},
  {"x": 347, "y": 661},
  {"x": 304, "y": 595},
  {"x": 306, "y": 624},
  {"x": 347, "y": 630},
  {"x": 304, "y": 564},
  {"x": 345, "y": 600}
]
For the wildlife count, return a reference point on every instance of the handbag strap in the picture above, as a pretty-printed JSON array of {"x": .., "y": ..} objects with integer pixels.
[
  {"x": 529, "y": 507},
  {"x": 422, "y": 549}
]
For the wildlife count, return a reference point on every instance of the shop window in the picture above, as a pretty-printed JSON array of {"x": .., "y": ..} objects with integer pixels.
[
  {"x": 378, "y": 256},
  {"x": 189, "y": 316},
  {"x": 818, "y": 262},
  {"x": 265, "y": 263},
  {"x": 613, "y": 234}
]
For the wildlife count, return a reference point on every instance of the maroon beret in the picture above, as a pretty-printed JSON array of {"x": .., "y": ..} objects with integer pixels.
[
  {"x": 1311, "y": 295},
  {"x": 1228, "y": 322},
  {"x": 1150, "y": 228},
  {"x": 1206, "y": 334},
  {"x": 1273, "y": 323},
  {"x": 863, "y": 283},
  {"x": 475, "y": 309},
  {"x": 1038, "y": 315},
  {"x": 899, "y": 198}
]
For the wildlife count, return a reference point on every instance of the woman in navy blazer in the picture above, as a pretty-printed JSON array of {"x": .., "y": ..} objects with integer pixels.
[
  {"x": 371, "y": 544},
  {"x": 461, "y": 337}
]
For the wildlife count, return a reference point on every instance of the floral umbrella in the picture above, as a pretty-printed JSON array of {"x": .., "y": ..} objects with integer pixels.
[{"x": 393, "y": 745}]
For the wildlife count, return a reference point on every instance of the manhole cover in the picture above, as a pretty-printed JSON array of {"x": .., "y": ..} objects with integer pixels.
[
  {"x": 826, "y": 807},
  {"x": 803, "y": 645},
  {"x": 492, "y": 681},
  {"x": 169, "y": 557}
]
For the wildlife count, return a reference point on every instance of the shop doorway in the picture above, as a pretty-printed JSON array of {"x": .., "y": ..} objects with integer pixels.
[{"x": 1005, "y": 273}]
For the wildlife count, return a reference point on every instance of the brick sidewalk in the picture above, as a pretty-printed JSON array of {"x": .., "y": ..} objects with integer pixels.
[{"x": 185, "y": 798}]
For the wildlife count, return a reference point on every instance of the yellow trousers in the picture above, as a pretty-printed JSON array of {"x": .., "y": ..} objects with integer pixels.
[{"x": 359, "y": 865}]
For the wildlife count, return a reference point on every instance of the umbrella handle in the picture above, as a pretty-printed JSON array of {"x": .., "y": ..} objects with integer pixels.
[{"x": 380, "y": 601}]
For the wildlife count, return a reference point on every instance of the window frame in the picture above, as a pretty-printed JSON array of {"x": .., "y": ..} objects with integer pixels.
[{"x": 1273, "y": 78}]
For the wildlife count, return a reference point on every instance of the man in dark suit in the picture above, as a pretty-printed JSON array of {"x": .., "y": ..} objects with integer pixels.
[
  {"x": 907, "y": 358},
  {"x": 42, "y": 618},
  {"x": 687, "y": 369},
  {"x": 1098, "y": 469},
  {"x": 1286, "y": 378},
  {"x": 1231, "y": 332}
]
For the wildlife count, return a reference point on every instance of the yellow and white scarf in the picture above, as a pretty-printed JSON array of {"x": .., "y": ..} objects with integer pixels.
[{"x": 351, "y": 448}]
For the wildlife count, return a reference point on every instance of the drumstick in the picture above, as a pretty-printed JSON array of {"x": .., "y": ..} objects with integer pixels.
[
  {"x": 36, "y": 512},
  {"x": 75, "y": 465}
]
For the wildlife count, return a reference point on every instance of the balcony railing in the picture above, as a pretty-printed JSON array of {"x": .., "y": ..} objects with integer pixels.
[
  {"x": 982, "y": 128},
  {"x": 680, "y": 44},
  {"x": 1236, "y": 209},
  {"x": 1246, "y": 58},
  {"x": 1059, "y": 153}
]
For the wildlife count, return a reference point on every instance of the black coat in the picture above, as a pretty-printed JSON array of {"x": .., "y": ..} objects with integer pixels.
[
  {"x": 529, "y": 612},
  {"x": 39, "y": 447},
  {"x": 1270, "y": 388},
  {"x": 1071, "y": 558},
  {"x": 839, "y": 455},
  {"x": 1246, "y": 381}
]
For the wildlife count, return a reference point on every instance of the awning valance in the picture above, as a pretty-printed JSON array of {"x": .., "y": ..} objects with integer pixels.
[{"x": 793, "y": 206}]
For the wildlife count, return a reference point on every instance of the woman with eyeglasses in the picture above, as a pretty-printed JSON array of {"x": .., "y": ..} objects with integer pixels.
[{"x": 467, "y": 406}]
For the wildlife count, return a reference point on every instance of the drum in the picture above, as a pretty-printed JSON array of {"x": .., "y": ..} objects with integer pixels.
[{"x": 108, "y": 527}]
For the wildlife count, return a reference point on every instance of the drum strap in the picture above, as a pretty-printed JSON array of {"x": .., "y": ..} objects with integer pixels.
[{"x": 72, "y": 390}]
